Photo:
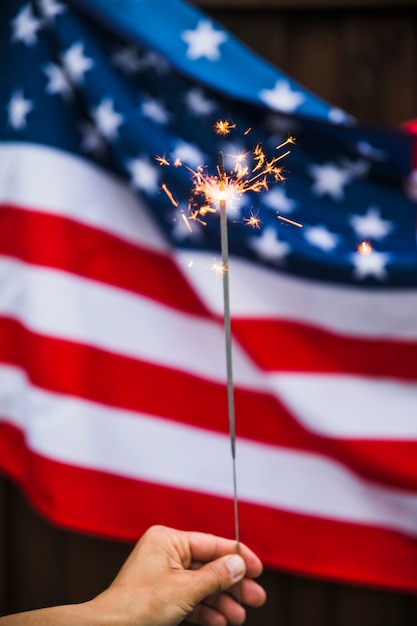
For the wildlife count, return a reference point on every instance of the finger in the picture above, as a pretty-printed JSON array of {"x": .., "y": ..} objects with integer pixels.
[
  {"x": 249, "y": 593},
  {"x": 205, "y": 547},
  {"x": 205, "y": 615},
  {"x": 217, "y": 576},
  {"x": 233, "y": 611}
]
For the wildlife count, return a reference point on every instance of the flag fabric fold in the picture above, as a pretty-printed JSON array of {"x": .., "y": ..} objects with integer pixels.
[{"x": 113, "y": 404}]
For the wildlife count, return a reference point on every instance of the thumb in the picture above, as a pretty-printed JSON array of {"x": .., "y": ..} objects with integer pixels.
[{"x": 219, "y": 575}]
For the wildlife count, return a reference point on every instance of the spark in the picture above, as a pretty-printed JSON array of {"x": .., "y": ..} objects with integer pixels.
[
  {"x": 169, "y": 194},
  {"x": 253, "y": 221},
  {"x": 223, "y": 127},
  {"x": 285, "y": 219},
  {"x": 364, "y": 248},
  {"x": 289, "y": 140},
  {"x": 161, "y": 160},
  {"x": 186, "y": 221},
  {"x": 218, "y": 267}
]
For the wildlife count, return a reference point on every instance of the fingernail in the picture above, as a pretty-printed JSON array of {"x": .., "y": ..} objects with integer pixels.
[{"x": 236, "y": 566}]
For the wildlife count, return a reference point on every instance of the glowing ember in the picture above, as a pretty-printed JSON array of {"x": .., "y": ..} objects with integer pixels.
[
  {"x": 223, "y": 127},
  {"x": 253, "y": 221},
  {"x": 161, "y": 160},
  {"x": 285, "y": 219},
  {"x": 289, "y": 140},
  {"x": 186, "y": 222},
  {"x": 364, "y": 248},
  {"x": 218, "y": 267},
  {"x": 169, "y": 194}
]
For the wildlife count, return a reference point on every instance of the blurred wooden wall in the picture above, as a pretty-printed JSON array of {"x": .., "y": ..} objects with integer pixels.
[{"x": 360, "y": 55}]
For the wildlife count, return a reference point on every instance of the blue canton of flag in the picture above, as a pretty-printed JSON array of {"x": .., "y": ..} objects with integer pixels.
[{"x": 345, "y": 184}]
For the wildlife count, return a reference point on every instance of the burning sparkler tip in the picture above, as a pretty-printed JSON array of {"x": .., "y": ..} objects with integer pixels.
[{"x": 364, "y": 248}]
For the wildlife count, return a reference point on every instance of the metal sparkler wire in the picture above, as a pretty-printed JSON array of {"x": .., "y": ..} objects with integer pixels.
[
  {"x": 228, "y": 346},
  {"x": 228, "y": 339}
]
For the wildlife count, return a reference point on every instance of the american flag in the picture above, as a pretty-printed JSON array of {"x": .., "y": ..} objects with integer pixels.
[{"x": 113, "y": 410}]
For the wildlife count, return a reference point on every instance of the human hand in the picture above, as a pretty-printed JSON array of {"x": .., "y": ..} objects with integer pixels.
[{"x": 174, "y": 575}]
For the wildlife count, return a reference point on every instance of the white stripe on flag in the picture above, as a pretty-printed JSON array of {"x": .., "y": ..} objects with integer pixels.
[
  {"x": 259, "y": 292},
  {"x": 350, "y": 406},
  {"x": 76, "y": 189}
]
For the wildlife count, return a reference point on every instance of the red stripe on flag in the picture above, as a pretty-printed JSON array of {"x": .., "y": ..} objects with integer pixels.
[
  {"x": 279, "y": 345},
  {"x": 53, "y": 241}
]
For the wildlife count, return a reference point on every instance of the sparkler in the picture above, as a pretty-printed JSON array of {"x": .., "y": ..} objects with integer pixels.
[
  {"x": 208, "y": 193},
  {"x": 228, "y": 338}
]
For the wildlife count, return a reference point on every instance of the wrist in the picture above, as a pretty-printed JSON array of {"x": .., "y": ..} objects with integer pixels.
[{"x": 115, "y": 609}]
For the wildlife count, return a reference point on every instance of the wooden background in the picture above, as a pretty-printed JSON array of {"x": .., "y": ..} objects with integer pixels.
[{"x": 360, "y": 55}]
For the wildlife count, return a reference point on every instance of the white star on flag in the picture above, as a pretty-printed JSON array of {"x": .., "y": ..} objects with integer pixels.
[
  {"x": 358, "y": 168},
  {"x": 198, "y": 104},
  {"x": 155, "y": 110},
  {"x": 189, "y": 154},
  {"x": 329, "y": 179},
  {"x": 92, "y": 142},
  {"x": 204, "y": 41},
  {"x": 371, "y": 225},
  {"x": 58, "y": 82},
  {"x": 76, "y": 63},
  {"x": 277, "y": 199},
  {"x": 18, "y": 109},
  {"x": 180, "y": 231},
  {"x": 107, "y": 119},
  {"x": 143, "y": 174},
  {"x": 321, "y": 237},
  {"x": 268, "y": 246},
  {"x": 371, "y": 264},
  {"x": 367, "y": 150},
  {"x": 153, "y": 60},
  {"x": 281, "y": 97},
  {"x": 127, "y": 59},
  {"x": 51, "y": 8},
  {"x": 338, "y": 116},
  {"x": 25, "y": 26}
]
